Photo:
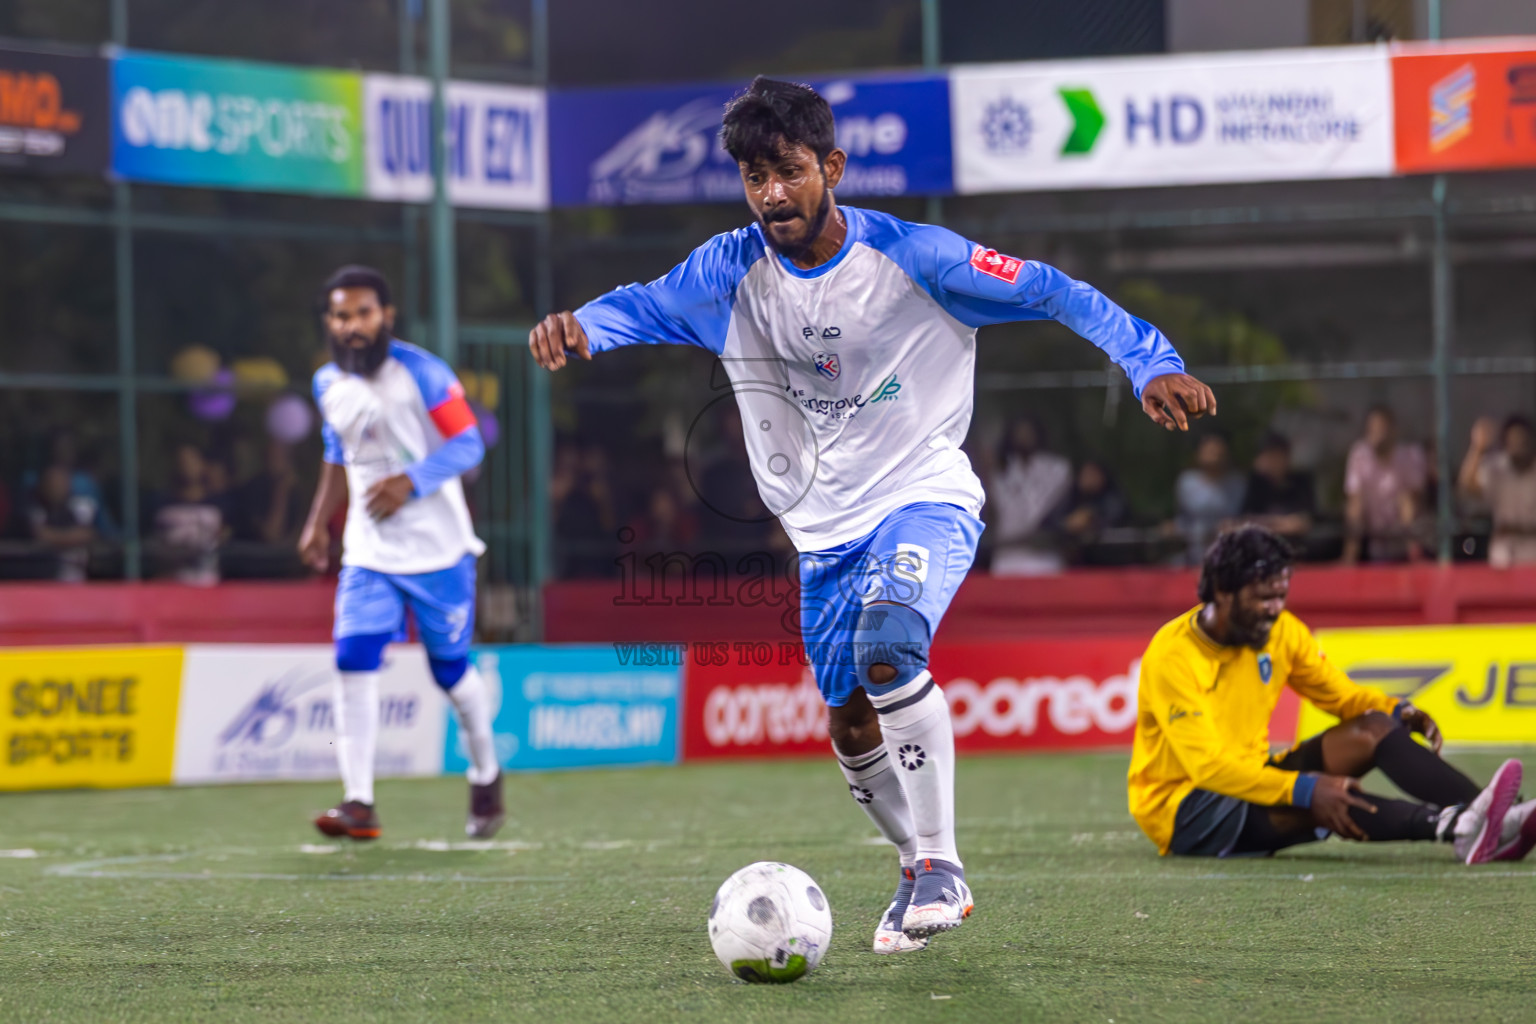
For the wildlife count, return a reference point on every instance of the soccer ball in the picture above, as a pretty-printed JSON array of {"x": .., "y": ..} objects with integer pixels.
[{"x": 770, "y": 923}]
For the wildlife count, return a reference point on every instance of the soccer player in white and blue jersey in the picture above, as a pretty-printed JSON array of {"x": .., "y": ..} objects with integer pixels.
[
  {"x": 849, "y": 339},
  {"x": 398, "y": 434}
]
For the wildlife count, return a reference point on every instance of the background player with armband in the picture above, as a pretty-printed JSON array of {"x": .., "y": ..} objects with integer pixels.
[
  {"x": 852, "y": 334},
  {"x": 398, "y": 434}
]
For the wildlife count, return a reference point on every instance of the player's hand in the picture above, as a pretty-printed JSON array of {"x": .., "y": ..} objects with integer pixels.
[
  {"x": 387, "y": 496},
  {"x": 1174, "y": 399},
  {"x": 1418, "y": 720},
  {"x": 315, "y": 546},
  {"x": 1485, "y": 433},
  {"x": 554, "y": 336},
  {"x": 1331, "y": 801}
]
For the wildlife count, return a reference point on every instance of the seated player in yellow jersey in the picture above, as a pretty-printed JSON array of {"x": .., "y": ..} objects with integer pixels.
[{"x": 1202, "y": 780}]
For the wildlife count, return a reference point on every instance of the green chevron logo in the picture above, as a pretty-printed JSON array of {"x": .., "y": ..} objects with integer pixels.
[{"x": 1087, "y": 121}]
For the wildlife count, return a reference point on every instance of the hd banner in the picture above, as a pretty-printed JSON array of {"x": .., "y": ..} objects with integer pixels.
[
  {"x": 610, "y": 147},
  {"x": 1259, "y": 116},
  {"x": 53, "y": 112},
  {"x": 574, "y": 707},
  {"x": 1465, "y": 110},
  {"x": 498, "y": 142},
  {"x": 1477, "y": 682},
  {"x": 223, "y": 123}
]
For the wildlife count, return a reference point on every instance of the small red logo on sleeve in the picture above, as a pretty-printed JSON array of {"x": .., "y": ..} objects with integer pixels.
[{"x": 995, "y": 264}]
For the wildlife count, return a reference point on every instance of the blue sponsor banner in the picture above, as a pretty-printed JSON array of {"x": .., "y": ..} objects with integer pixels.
[
  {"x": 617, "y": 146},
  {"x": 574, "y": 707}
]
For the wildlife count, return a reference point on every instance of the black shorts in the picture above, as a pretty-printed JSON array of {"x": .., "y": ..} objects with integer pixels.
[{"x": 1211, "y": 825}]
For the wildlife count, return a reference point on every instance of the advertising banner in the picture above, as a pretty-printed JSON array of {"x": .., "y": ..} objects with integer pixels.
[
  {"x": 101, "y": 716},
  {"x": 261, "y": 712},
  {"x": 1029, "y": 695},
  {"x": 1464, "y": 111},
  {"x": 574, "y": 707},
  {"x": 1258, "y": 116},
  {"x": 53, "y": 112},
  {"x": 498, "y": 143},
  {"x": 1477, "y": 682},
  {"x": 612, "y": 147},
  {"x": 188, "y": 121}
]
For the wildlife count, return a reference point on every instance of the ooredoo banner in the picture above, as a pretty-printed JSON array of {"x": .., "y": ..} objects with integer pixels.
[
  {"x": 263, "y": 712},
  {"x": 1029, "y": 695},
  {"x": 100, "y": 716},
  {"x": 53, "y": 112},
  {"x": 1255, "y": 116},
  {"x": 612, "y": 147},
  {"x": 195, "y": 121},
  {"x": 498, "y": 141},
  {"x": 1477, "y": 682},
  {"x": 1465, "y": 110}
]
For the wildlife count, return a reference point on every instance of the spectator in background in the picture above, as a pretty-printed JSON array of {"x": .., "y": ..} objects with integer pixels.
[
  {"x": 1383, "y": 491},
  {"x": 1027, "y": 485},
  {"x": 735, "y": 520},
  {"x": 582, "y": 497},
  {"x": 1279, "y": 498},
  {"x": 1506, "y": 480},
  {"x": 268, "y": 509},
  {"x": 64, "y": 452},
  {"x": 1094, "y": 505},
  {"x": 1207, "y": 495},
  {"x": 63, "y": 522},
  {"x": 667, "y": 523},
  {"x": 189, "y": 524}
]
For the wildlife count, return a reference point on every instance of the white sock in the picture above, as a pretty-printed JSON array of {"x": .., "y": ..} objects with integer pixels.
[
  {"x": 357, "y": 732},
  {"x": 915, "y": 722},
  {"x": 877, "y": 788},
  {"x": 472, "y": 701}
]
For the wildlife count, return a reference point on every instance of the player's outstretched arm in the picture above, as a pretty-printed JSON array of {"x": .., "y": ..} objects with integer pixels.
[
  {"x": 1174, "y": 399},
  {"x": 556, "y": 335}
]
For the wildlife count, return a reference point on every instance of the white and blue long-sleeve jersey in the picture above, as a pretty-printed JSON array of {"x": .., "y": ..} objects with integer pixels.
[
  {"x": 855, "y": 379},
  {"x": 410, "y": 417}
]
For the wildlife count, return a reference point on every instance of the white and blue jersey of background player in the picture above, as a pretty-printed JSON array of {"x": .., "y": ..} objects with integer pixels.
[
  {"x": 855, "y": 385},
  {"x": 410, "y": 417}
]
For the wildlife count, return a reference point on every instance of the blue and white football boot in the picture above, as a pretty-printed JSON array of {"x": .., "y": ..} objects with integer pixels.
[
  {"x": 889, "y": 938},
  {"x": 941, "y": 901}
]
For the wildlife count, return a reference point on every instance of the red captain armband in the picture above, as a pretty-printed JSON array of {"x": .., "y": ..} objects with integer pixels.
[
  {"x": 995, "y": 264},
  {"x": 453, "y": 416}
]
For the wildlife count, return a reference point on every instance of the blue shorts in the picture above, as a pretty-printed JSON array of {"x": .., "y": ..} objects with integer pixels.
[
  {"x": 917, "y": 556},
  {"x": 443, "y": 603}
]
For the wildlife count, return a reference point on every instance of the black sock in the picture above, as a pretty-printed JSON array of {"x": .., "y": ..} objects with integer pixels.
[
  {"x": 1395, "y": 819},
  {"x": 1419, "y": 771}
]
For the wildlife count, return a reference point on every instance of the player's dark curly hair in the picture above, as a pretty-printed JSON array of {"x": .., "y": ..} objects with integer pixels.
[
  {"x": 771, "y": 116},
  {"x": 354, "y": 275},
  {"x": 1240, "y": 557}
]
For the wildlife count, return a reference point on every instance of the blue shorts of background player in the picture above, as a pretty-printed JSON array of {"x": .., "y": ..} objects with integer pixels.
[
  {"x": 917, "y": 557},
  {"x": 370, "y": 612}
]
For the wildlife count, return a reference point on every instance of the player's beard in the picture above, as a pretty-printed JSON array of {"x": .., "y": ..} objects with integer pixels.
[
  {"x": 364, "y": 361},
  {"x": 795, "y": 250},
  {"x": 1249, "y": 632}
]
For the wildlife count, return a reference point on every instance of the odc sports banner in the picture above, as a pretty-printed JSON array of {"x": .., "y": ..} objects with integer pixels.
[
  {"x": 1255, "y": 116},
  {"x": 1029, "y": 695},
  {"x": 229, "y": 123},
  {"x": 88, "y": 716},
  {"x": 1477, "y": 682},
  {"x": 498, "y": 142},
  {"x": 574, "y": 707},
  {"x": 262, "y": 712}
]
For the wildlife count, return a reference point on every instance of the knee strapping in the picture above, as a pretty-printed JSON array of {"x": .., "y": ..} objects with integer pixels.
[
  {"x": 361, "y": 653},
  {"x": 894, "y": 635},
  {"x": 448, "y": 671}
]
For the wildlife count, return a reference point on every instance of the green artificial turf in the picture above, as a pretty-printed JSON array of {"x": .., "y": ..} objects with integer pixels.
[{"x": 213, "y": 904}]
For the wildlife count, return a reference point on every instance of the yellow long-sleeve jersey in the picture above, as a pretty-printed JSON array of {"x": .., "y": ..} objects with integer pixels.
[{"x": 1202, "y": 717}]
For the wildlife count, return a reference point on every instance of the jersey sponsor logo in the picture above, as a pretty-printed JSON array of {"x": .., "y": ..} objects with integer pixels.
[
  {"x": 887, "y": 390},
  {"x": 1266, "y": 667},
  {"x": 828, "y": 364},
  {"x": 995, "y": 264},
  {"x": 1175, "y": 713}
]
